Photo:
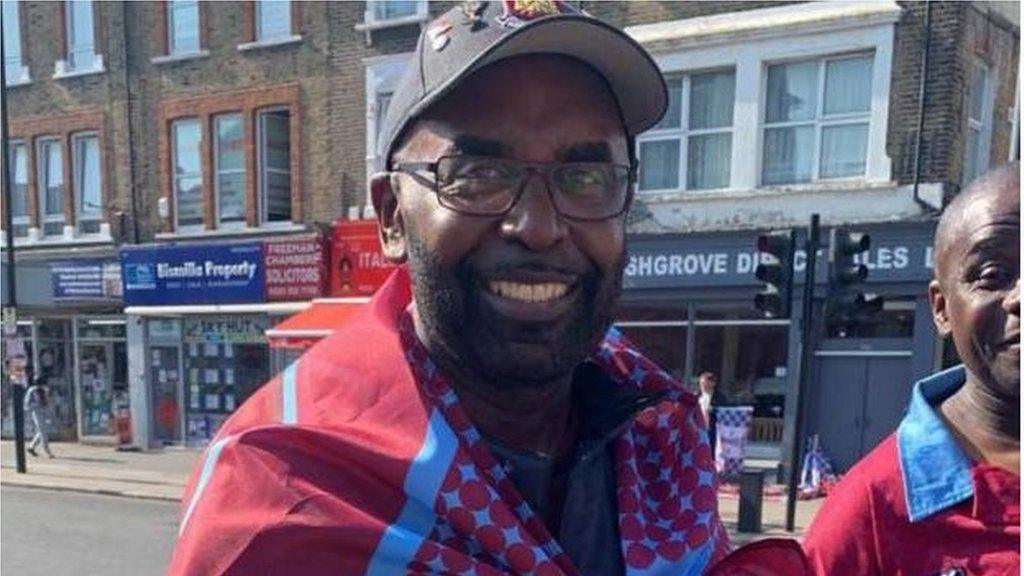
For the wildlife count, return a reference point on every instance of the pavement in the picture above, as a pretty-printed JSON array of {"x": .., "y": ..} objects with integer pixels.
[{"x": 162, "y": 474}]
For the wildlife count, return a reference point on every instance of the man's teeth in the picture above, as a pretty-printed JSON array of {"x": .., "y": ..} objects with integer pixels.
[{"x": 528, "y": 292}]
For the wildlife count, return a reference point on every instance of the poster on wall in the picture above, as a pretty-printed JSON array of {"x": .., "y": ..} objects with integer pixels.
[
  {"x": 295, "y": 269},
  {"x": 358, "y": 266},
  {"x": 193, "y": 274}
]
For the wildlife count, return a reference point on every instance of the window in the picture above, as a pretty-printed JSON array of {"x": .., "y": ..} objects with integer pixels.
[
  {"x": 275, "y": 177},
  {"x": 229, "y": 168},
  {"x": 273, "y": 19},
  {"x": 188, "y": 174},
  {"x": 382, "y": 76},
  {"x": 50, "y": 159},
  {"x": 81, "y": 48},
  {"x": 19, "y": 190},
  {"x": 817, "y": 116},
  {"x": 394, "y": 9},
  {"x": 87, "y": 182},
  {"x": 14, "y": 72},
  {"x": 691, "y": 147},
  {"x": 183, "y": 26},
  {"x": 979, "y": 124}
]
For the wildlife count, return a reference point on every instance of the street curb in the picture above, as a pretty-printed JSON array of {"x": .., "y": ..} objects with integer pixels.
[{"x": 99, "y": 491}]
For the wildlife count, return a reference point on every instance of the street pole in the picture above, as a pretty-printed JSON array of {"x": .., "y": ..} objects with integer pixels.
[
  {"x": 806, "y": 350},
  {"x": 17, "y": 388}
]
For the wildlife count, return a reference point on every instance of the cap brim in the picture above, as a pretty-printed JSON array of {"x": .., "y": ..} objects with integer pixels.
[{"x": 634, "y": 78}]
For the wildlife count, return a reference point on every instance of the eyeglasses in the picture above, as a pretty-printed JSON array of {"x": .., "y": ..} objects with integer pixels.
[{"x": 486, "y": 186}]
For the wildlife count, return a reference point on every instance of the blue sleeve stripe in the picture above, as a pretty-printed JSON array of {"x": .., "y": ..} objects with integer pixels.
[
  {"x": 289, "y": 398},
  {"x": 204, "y": 478}
]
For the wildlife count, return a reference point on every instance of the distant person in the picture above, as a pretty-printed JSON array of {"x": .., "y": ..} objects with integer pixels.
[
  {"x": 942, "y": 494},
  {"x": 710, "y": 398},
  {"x": 37, "y": 404}
]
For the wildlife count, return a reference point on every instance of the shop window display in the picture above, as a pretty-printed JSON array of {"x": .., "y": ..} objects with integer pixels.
[
  {"x": 749, "y": 357},
  {"x": 25, "y": 335},
  {"x": 226, "y": 360}
]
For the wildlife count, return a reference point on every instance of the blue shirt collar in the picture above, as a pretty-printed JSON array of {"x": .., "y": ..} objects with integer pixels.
[{"x": 936, "y": 471}]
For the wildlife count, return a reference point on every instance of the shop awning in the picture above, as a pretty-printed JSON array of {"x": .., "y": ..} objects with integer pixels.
[{"x": 318, "y": 321}]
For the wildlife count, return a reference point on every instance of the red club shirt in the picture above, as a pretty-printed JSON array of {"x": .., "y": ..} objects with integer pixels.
[{"x": 918, "y": 506}]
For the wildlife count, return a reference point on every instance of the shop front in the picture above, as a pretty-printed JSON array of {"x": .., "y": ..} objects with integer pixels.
[
  {"x": 198, "y": 314},
  {"x": 688, "y": 303},
  {"x": 72, "y": 330}
]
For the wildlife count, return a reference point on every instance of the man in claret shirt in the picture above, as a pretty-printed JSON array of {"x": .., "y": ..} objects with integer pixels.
[{"x": 942, "y": 495}]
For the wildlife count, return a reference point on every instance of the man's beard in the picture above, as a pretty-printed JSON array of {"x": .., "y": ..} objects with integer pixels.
[{"x": 466, "y": 340}]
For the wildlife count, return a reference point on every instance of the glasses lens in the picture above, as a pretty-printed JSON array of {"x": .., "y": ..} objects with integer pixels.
[
  {"x": 477, "y": 185},
  {"x": 591, "y": 189}
]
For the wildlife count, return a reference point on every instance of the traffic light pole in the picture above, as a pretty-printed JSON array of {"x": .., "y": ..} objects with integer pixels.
[
  {"x": 806, "y": 350},
  {"x": 17, "y": 388}
]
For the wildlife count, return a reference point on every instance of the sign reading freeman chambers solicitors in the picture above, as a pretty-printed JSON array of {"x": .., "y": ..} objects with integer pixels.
[
  {"x": 897, "y": 254},
  {"x": 296, "y": 269},
  {"x": 185, "y": 274}
]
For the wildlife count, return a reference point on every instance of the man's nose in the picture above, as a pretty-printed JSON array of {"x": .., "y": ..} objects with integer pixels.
[
  {"x": 533, "y": 220},
  {"x": 1011, "y": 303}
]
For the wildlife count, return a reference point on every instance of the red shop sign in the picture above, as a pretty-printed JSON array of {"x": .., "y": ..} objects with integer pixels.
[
  {"x": 358, "y": 266},
  {"x": 296, "y": 269}
]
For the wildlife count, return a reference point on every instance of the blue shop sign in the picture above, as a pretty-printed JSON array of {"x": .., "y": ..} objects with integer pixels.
[
  {"x": 86, "y": 279},
  {"x": 897, "y": 254},
  {"x": 193, "y": 274}
]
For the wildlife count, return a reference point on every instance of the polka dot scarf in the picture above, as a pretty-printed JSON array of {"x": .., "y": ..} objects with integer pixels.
[{"x": 668, "y": 520}]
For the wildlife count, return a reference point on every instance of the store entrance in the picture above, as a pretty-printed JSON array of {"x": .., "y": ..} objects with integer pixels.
[
  {"x": 165, "y": 375},
  {"x": 102, "y": 375}
]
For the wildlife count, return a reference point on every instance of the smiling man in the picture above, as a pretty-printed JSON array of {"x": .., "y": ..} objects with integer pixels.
[
  {"x": 482, "y": 416},
  {"x": 942, "y": 494}
]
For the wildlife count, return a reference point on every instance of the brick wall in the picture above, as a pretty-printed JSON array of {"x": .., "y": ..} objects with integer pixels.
[
  {"x": 226, "y": 70},
  {"x": 46, "y": 102},
  {"x": 327, "y": 68}
]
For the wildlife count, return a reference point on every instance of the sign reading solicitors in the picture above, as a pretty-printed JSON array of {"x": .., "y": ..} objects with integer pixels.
[
  {"x": 193, "y": 274},
  {"x": 897, "y": 254}
]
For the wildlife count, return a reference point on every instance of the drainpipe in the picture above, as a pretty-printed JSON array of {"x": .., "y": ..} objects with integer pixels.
[
  {"x": 128, "y": 110},
  {"x": 920, "y": 105}
]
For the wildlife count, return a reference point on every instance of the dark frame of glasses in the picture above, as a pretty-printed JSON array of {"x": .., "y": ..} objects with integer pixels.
[{"x": 411, "y": 169}]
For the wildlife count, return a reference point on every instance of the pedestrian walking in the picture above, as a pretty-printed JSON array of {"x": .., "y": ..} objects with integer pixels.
[{"x": 37, "y": 405}]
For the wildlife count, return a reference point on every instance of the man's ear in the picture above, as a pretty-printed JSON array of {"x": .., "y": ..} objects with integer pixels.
[
  {"x": 389, "y": 217},
  {"x": 939, "y": 313}
]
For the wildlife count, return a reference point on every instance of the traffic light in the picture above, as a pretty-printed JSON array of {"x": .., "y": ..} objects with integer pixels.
[
  {"x": 776, "y": 298},
  {"x": 846, "y": 302}
]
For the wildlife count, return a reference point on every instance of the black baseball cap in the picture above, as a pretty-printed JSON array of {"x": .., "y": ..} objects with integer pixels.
[{"x": 474, "y": 34}]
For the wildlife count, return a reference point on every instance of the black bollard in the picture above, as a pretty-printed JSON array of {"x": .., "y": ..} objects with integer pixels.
[
  {"x": 751, "y": 491},
  {"x": 18, "y": 397}
]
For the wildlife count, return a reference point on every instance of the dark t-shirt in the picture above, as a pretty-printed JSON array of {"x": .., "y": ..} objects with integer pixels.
[{"x": 575, "y": 495}]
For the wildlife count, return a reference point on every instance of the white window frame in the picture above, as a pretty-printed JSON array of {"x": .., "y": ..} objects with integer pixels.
[
  {"x": 683, "y": 133},
  {"x": 818, "y": 123},
  {"x": 258, "y": 24},
  {"x": 65, "y": 67},
  {"x": 382, "y": 76},
  {"x": 749, "y": 40},
  {"x": 217, "y": 171},
  {"x": 982, "y": 126},
  {"x": 371, "y": 22},
  {"x": 17, "y": 73},
  {"x": 19, "y": 220},
  {"x": 178, "y": 226},
  {"x": 43, "y": 180},
  {"x": 172, "y": 49},
  {"x": 261, "y": 183},
  {"x": 81, "y": 216}
]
